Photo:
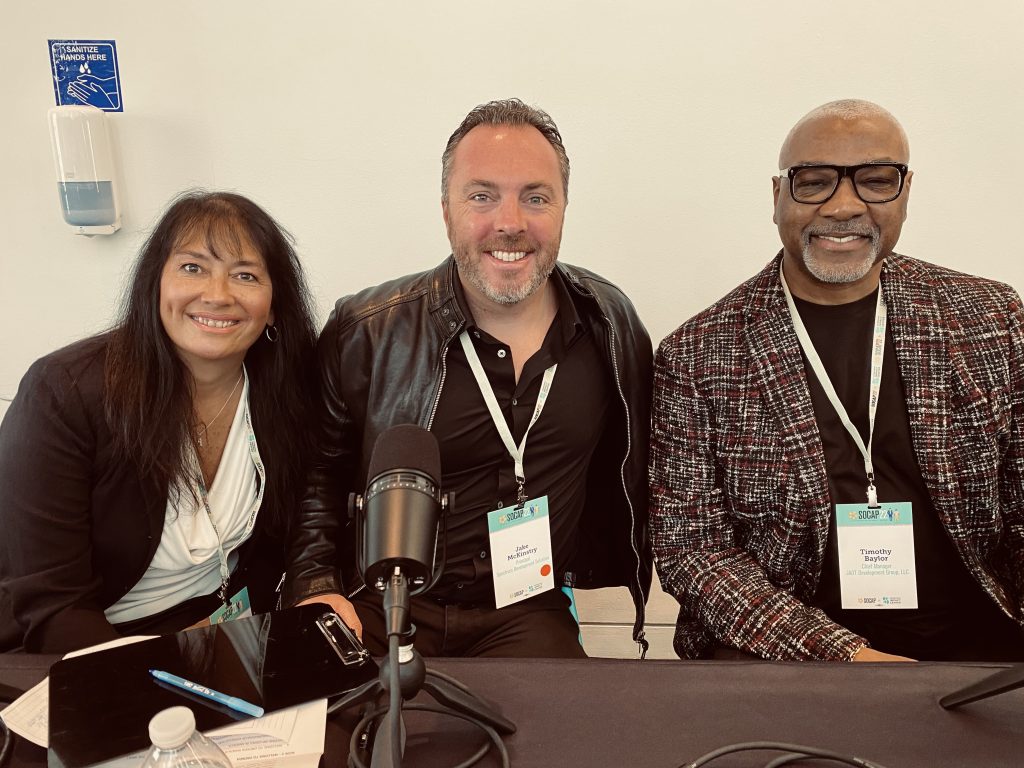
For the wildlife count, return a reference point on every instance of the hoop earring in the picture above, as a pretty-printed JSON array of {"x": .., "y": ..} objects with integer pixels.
[{"x": 271, "y": 337}]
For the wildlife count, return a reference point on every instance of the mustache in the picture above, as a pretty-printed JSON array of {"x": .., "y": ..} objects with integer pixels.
[
  {"x": 841, "y": 229},
  {"x": 513, "y": 244}
]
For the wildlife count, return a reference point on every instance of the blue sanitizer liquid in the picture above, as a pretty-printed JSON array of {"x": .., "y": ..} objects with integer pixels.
[{"x": 87, "y": 203}]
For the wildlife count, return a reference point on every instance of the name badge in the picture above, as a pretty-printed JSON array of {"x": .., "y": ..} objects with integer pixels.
[
  {"x": 521, "y": 561},
  {"x": 238, "y": 607},
  {"x": 876, "y": 555}
]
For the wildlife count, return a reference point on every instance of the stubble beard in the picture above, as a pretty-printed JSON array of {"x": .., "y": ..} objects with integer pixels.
[
  {"x": 507, "y": 292},
  {"x": 840, "y": 272}
]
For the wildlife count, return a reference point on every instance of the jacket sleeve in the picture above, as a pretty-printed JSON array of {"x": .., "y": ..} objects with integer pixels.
[
  {"x": 638, "y": 382},
  {"x": 725, "y": 595},
  {"x": 1011, "y": 470},
  {"x": 47, "y": 576},
  {"x": 313, "y": 552}
]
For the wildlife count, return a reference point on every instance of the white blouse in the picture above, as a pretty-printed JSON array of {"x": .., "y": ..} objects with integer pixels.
[{"x": 187, "y": 560}]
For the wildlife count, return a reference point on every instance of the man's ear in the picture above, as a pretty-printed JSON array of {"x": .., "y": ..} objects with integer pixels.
[
  {"x": 906, "y": 192},
  {"x": 776, "y": 187}
]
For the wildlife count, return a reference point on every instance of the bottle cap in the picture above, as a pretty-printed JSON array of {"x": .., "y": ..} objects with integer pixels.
[{"x": 172, "y": 727}]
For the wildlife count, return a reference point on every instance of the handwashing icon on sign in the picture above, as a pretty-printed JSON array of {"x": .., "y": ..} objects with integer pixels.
[
  {"x": 90, "y": 89},
  {"x": 85, "y": 72}
]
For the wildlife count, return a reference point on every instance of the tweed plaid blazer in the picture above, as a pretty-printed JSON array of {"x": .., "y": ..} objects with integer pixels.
[{"x": 740, "y": 503}]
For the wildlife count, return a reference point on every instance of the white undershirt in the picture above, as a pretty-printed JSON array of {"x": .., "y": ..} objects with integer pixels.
[{"x": 187, "y": 563}]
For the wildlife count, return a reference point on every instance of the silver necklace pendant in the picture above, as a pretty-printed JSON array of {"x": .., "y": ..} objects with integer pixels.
[{"x": 202, "y": 434}]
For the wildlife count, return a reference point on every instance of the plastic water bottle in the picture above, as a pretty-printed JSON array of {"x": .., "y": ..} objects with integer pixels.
[{"x": 177, "y": 743}]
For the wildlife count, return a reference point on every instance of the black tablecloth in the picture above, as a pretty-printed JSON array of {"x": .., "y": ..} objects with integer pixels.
[{"x": 664, "y": 713}]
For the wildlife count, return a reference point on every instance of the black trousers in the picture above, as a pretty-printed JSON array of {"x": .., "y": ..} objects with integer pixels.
[{"x": 541, "y": 627}]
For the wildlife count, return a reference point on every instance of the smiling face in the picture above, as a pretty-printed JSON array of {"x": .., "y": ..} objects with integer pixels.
[
  {"x": 504, "y": 212},
  {"x": 833, "y": 250},
  {"x": 215, "y": 300}
]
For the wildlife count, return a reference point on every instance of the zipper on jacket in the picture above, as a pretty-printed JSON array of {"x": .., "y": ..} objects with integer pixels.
[
  {"x": 640, "y": 639},
  {"x": 440, "y": 386}
]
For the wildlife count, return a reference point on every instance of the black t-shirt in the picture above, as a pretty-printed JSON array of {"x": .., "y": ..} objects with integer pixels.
[
  {"x": 954, "y": 619},
  {"x": 477, "y": 467}
]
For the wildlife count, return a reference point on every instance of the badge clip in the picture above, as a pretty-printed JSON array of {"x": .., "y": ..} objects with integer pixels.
[
  {"x": 872, "y": 496},
  {"x": 520, "y": 492}
]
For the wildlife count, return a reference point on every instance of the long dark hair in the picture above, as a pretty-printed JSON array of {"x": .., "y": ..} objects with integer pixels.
[{"x": 149, "y": 390}]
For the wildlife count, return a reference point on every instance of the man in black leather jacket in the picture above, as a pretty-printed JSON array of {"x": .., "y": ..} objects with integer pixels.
[{"x": 395, "y": 354}]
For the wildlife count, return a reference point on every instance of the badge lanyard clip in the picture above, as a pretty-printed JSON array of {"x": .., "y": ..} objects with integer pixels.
[{"x": 872, "y": 492}]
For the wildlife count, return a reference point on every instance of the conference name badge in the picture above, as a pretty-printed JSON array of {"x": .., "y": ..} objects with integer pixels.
[
  {"x": 521, "y": 560},
  {"x": 238, "y": 607},
  {"x": 876, "y": 555}
]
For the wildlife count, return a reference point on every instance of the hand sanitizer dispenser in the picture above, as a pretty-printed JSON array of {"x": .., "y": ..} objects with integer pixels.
[{"x": 84, "y": 161}]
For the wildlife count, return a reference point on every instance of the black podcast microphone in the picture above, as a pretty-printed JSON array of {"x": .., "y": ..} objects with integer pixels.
[
  {"x": 398, "y": 525},
  {"x": 401, "y": 509}
]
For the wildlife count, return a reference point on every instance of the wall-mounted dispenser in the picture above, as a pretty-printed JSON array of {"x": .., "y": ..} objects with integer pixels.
[{"x": 84, "y": 160}]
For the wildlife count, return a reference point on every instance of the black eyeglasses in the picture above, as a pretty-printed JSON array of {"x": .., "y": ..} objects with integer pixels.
[{"x": 873, "y": 182}]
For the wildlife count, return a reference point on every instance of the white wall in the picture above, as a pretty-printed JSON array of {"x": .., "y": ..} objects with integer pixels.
[{"x": 333, "y": 115}]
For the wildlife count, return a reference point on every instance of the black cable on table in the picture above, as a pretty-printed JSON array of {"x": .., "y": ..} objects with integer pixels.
[
  {"x": 797, "y": 751},
  {"x": 784, "y": 760},
  {"x": 355, "y": 761}
]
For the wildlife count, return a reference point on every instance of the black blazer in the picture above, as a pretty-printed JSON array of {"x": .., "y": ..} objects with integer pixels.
[{"x": 78, "y": 527}]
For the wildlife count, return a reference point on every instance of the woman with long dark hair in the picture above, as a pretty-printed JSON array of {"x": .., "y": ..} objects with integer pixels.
[{"x": 148, "y": 474}]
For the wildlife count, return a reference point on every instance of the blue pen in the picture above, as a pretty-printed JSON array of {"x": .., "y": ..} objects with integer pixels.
[{"x": 235, "y": 703}]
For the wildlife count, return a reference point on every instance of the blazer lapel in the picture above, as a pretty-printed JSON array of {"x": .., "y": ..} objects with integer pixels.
[
  {"x": 921, "y": 340},
  {"x": 777, "y": 371}
]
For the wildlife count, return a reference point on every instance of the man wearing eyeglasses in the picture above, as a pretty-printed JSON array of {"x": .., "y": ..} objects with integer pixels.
[{"x": 837, "y": 458}]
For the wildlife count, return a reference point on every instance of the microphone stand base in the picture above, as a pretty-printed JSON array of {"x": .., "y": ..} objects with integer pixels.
[{"x": 414, "y": 677}]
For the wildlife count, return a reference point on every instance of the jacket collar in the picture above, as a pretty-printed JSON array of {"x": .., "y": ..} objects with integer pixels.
[
  {"x": 444, "y": 308},
  {"x": 447, "y": 313},
  {"x": 920, "y": 337},
  {"x": 777, "y": 370}
]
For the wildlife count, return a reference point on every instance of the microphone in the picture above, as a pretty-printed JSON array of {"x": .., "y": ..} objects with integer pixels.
[{"x": 398, "y": 516}]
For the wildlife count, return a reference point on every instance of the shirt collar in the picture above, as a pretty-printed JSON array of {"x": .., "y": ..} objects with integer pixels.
[{"x": 568, "y": 316}]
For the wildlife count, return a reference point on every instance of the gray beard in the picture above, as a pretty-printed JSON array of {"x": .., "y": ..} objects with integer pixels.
[
  {"x": 840, "y": 273},
  {"x": 511, "y": 294}
]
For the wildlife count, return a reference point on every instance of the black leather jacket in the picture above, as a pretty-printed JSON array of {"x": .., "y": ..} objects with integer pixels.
[{"x": 383, "y": 362}]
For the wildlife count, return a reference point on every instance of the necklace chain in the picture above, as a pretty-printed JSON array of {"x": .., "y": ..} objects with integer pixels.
[{"x": 200, "y": 438}]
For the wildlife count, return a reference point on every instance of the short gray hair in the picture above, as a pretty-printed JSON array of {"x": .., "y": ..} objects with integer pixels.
[
  {"x": 506, "y": 112},
  {"x": 845, "y": 109}
]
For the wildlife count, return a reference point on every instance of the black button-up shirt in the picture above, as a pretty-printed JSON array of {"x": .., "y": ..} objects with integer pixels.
[{"x": 477, "y": 467}]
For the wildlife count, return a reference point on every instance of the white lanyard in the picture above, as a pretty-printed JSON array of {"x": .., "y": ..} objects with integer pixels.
[
  {"x": 874, "y": 386},
  {"x": 516, "y": 452},
  {"x": 225, "y": 571}
]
